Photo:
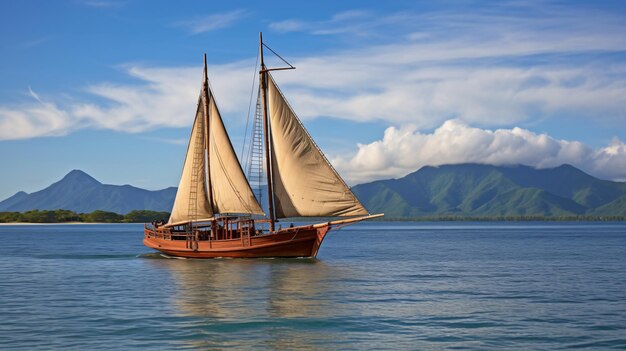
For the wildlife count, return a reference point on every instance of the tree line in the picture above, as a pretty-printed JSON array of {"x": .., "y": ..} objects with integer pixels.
[
  {"x": 525, "y": 218},
  {"x": 145, "y": 216},
  {"x": 64, "y": 216}
]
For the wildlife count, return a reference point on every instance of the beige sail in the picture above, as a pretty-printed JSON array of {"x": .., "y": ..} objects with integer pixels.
[
  {"x": 192, "y": 202},
  {"x": 231, "y": 190},
  {"x": 305, "y": 184}
]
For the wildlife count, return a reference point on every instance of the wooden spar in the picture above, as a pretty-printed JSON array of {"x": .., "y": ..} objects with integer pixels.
[
  {"x": 205, "y": 85},
  {"x": 346, "y": 221},
  {"x": 266, "y": 136}
]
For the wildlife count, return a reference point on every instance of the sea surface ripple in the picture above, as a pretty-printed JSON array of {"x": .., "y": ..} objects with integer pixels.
[{"x": 423, "y": 286}]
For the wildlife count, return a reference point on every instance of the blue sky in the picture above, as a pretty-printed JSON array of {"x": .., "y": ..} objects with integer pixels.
[{"x": 384, "y": 87}]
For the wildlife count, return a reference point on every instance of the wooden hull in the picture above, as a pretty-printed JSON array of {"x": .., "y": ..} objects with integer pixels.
[{"x": 291, "y": 242}]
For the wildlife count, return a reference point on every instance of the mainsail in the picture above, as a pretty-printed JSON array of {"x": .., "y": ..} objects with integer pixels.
[
  {"x": 230, "y": 190},
  {"x": 192, "y": 201},
  {"x": 305, "y": 184}
]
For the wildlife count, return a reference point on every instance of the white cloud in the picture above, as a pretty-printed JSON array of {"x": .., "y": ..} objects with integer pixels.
[
  {"x": 165, "y": 98},
  {"x": 488, "y": 68},
  {"x": 342, "y": 22},
  {"x": 481, "y": 68},
  {"x": 213, "y": 21},
  {"x": 404, "y": 150},
  {"x": 33, "y": 94},
  {"x": 35, "y": 120},
  {"x": 162, "y": 97},
  {"x": 365, "y": 89},
  {"x": 101, "y": 3},
  {"x": 288, "y": 26}
]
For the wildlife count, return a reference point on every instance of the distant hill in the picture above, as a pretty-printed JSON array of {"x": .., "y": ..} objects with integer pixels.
[
  {"x": 484, "y": 190},
  {"x": 79, "y": 192},
  {"x": 464, "y": 190}
]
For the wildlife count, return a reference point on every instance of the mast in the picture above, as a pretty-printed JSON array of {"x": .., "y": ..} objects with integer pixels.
[
  {"x": 205, "y": 92},
  {"x": 268, "y": 162}
]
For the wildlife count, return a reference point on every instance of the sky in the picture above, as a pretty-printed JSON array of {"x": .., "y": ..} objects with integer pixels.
[{"x": 384, "y": 87}]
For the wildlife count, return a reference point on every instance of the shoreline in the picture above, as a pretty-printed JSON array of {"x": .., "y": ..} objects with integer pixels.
[
  {"x": 62, "y": 223},
  {"x": 607, "y": 219}
]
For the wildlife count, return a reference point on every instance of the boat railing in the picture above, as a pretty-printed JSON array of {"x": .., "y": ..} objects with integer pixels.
[
  {"x": 225, "y": 228},
  {"x": 166, "y": 233}
]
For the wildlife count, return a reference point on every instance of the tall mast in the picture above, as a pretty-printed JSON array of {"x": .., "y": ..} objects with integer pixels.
[
  {"x": 266, "y": 135},
  {"x": 205, "y": 92}
]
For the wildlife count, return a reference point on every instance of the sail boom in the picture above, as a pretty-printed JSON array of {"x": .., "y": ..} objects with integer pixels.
[{"x": 348, "y": 220}]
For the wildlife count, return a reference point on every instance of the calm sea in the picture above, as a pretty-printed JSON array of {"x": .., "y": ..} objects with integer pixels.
[{"x": 433, "y": 286}]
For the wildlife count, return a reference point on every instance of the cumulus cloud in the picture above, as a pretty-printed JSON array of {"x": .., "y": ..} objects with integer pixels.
[{"x": 404, "y": 150}]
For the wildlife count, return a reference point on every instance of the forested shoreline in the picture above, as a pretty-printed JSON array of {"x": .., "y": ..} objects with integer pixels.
[
  {"x": 444, "y": 218},
  {"x": 66, "y": 216},
  {"x": 145, "y": 216}
]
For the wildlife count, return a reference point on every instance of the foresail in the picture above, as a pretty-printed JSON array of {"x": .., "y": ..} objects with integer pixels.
[
  {"x": 192, "y": 201},
  {"x": 305, "y": 184},
  {"x": 231, "y": 190}
]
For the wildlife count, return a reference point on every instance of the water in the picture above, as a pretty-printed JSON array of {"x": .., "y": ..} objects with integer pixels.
[{"x": 457, "y": 286}]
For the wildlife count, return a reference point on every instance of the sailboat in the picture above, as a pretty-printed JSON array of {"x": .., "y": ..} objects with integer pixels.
[{"x": 216, "y": 213}]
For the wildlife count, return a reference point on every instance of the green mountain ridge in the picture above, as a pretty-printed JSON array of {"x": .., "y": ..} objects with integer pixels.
[
  {"x": 485, "y": 190},
  {"x": 462, "y": 190},
  {"x": 616, "y": 207}
]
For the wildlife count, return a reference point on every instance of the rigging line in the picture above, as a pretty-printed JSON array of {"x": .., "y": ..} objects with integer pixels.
[
  {"x": 245, "y": 134},
  {"x": 252, "y": 141},
  {"x": 255, "y": 145},
  {"x": 280, "y": 57}
]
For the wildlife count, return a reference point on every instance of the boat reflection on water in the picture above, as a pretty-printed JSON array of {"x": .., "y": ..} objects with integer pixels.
[{"x": 219, "y": 298}]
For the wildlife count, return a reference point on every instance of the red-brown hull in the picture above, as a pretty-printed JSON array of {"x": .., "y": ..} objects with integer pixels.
[{"x": 290, "y": 242}]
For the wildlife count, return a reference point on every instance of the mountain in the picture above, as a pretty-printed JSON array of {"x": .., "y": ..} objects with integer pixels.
[
  {"x": 617, "y": 207},
  {"x": 79, "y": 192},
  {"x": 15, "y": 199},
  {"x": 471, "y": 190},
  {"x": 484, "y": 190}
]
